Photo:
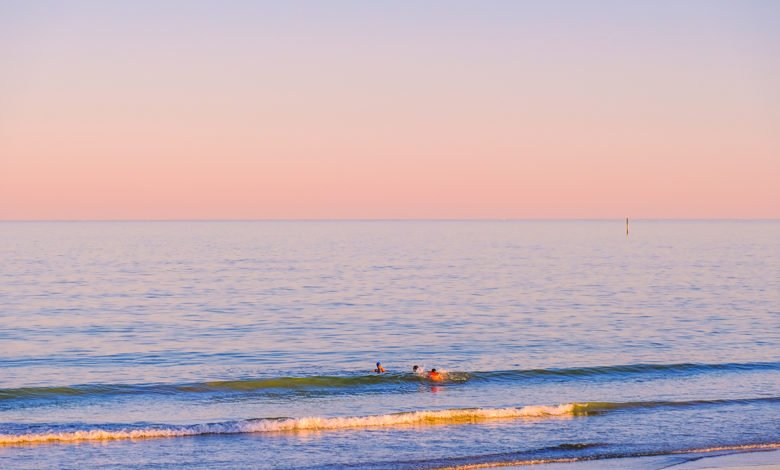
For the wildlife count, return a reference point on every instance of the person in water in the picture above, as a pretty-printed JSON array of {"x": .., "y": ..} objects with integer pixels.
[
  {"x": 379, "y": 369},
  {"x": 435, "y": 376},
  {"x": 415, "y": 368}
]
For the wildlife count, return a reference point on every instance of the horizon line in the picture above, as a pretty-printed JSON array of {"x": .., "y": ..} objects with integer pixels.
[{"x": 399, "y": 219}]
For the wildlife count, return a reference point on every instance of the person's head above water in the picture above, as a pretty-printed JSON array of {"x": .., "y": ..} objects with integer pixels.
[
  {"x": 378, "y": 364},
  {"x": 433, "y": 370},
  {"x": 415, "y": 368}
]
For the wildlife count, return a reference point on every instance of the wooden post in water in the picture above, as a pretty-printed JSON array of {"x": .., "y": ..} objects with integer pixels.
[{"x": 626, "y": 225}]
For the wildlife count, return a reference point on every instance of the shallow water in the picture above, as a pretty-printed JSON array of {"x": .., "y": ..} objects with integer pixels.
[{"x": 249, "y": 344}]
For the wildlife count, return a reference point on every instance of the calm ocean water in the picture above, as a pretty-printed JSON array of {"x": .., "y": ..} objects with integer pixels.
[{"x": 249, "y": 344}]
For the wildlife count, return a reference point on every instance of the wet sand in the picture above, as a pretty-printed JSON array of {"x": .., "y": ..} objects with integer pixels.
[{"x": 756, "y": 459}]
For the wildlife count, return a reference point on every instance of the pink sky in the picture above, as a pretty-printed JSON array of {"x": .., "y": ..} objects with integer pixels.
[{"x": 472, "y": 110}]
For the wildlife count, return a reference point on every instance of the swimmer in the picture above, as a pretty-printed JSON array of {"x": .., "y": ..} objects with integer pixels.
[
  {"x": 379, "y": 369},
  {"x": 415, "y": 369},
  {"x": 435, "y": 376}
]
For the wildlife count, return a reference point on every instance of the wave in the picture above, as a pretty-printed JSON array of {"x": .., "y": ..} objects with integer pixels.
[
  {"x": 420, "y": 418},
  {"x": 245, "y": 385},
  {"x": 325, "y": 382},
  {"x": 635, "y": 369},
  {"x": 599, "y": 408},
  {"x": 487, "y": 463},
  {"x": 426, "y": 417}
]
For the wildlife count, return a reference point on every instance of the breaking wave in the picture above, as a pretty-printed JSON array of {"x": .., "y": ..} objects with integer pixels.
[
  {"x": 419, "y": 418},
  {"x": 428, "y": 417},
  {"x": 464, "y": 465}
]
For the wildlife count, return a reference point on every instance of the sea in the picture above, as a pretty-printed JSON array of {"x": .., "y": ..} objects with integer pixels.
[{"x": 251, "y": 344}]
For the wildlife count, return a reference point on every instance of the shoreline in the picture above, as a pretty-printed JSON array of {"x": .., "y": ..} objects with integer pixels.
[{"x": 737, "y": 459}]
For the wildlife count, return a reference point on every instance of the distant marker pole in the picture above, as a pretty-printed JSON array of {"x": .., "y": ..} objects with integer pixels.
[{"x": 626, "y": 225}]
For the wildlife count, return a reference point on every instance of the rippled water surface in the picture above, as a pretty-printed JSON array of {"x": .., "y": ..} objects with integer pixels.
[{"x": 249, "y": 344}]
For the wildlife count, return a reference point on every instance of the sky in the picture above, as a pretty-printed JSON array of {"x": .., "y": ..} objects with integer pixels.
[{"x": 389, "y": 110}]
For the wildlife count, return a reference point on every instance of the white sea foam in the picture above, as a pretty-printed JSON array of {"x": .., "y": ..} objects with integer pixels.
[
  {"x": 518, "y": 463},
  {"x": 736, "y": 447},
  {"x": 453, "y": 416}
]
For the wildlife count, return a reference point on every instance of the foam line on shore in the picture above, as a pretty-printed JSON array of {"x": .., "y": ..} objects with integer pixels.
[{"x": 597, "y": 457}]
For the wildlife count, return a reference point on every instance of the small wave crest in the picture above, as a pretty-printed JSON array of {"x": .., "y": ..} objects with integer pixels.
[
  {"x": 241, "y": 385},
  {"x": 604, "y": 456},
  {"x": 629, "y": 369},
  {"x": 393, "y": 381},
  {"x": 426, "y": 417},
  {"x": 597, "y": 408}
]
